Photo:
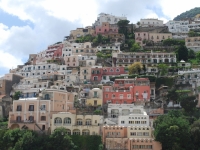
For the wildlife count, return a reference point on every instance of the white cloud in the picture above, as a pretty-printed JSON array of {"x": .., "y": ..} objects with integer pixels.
[
  {"x": 9, "y": 61},
  {"x": 172, "y": 8},
  {"x": 52, "y": 20}
]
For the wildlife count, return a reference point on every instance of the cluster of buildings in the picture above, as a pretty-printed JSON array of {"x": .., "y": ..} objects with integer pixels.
[{"x": 55, "y": 83}]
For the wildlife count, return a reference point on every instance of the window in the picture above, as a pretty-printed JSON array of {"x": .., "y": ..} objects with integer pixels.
[
  {"x": 79, "y": 122},
  {"x": 43, "y": 107},
  {"x": 31, "y": 118},
  {"x": 76, "y": 132},
  {"x": 57, "y": 121},
  {"x": 67, "y": 121},
  {"x": 122, "y": 122},
  {"x": 111, "y": 70},
  {"x": 46, "y": 97},
  {"x": 106, "y": 95},
  {"x": 19, "y": 108},
  {"x": 113, "y": 96},
  {"x": 117, "y": 70},
  {"x": 104, "y": 77},
  {"x": 43, "y": 118},
  {"x": 31, "y": 108},
  {"x": 95, "y": 94},
  {"x": 88, "y": 122},
  {"x": 18, "y": 119},
  {"x": 86, "y": 132}
]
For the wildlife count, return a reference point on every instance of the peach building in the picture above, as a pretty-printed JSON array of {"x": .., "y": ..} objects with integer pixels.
[
  {"x": 77, "y": 124},
  {"x": 72, "y": 61},
  {"x": 129, "y": 138},
  {"x": 35, "y": 113},
  {"x": 106, "y": 28}
]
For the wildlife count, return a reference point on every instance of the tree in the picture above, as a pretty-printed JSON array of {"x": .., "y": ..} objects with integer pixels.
[
  {"x": 135, "y": 47},
  {"x": 123, "y": 27},
  {"x": 182, "y": 53},
  {"x": 136, "y": 67},
  {"x": 188, "y": 103},
  {"x": 163, "y": 68},
  {"x": 172, "y": 95},
  {"x": 60, "y": 140},
  {"x": 17, "y": 95},
  {"x": 191, "y": 54},
  {"x": 195, "y": 134},
  {"x": 173, "y": 132},
  {"x": 198, "y": 56}
]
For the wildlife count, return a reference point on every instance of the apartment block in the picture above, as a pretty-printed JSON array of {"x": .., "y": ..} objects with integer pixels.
[
  {"x": 77, "y": 124},
  {"x": 127, "y": 91}
]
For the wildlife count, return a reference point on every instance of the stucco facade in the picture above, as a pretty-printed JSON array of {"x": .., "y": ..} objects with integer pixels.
[
  {"x": 77, "y": 124},
  {"x": 127, "y": 91},
  {"x": 193, "y": 43},
  {"x": 35, "y": 113}
]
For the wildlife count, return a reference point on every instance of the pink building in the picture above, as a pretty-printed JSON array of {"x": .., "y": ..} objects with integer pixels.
[
  {"x": 127, "y": 91},
  {"x": 106, "y": 28}
]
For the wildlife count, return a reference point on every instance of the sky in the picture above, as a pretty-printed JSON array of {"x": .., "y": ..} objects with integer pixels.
[{"x": 28, "y": 27}]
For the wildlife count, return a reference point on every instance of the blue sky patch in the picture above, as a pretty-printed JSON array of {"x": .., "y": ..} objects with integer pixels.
[{"x": 11, "y": 20}]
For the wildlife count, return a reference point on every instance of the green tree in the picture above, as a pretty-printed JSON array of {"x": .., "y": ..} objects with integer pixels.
[
  {"x": 17, "y": 95},
  {"x": 188, "y": 103},
  {"x": 123, "y": 27},
  {"x": 173, "y": 132},
  {"x": 163, "y": 69},
  {"x": 195, "y": 134},
  {"x": 135, "y": 47},
  {"x": 172, "y": 95},
  {"x": 136, "y": 67},
  {"x": 198, "y": 56},
  {"x": 60, "y": 140},
  {"x": 182, "y": 53},
  {"x": 191, "y": 54}
]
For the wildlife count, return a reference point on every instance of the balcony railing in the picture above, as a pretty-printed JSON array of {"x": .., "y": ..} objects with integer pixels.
[{"x": 22, "y": 121}]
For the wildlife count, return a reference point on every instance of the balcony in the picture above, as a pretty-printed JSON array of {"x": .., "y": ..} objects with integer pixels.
[
  {"x": 23, "y": 121},
  {"x": 95, "y": 96},
  {"x": 84, "y": 72}
]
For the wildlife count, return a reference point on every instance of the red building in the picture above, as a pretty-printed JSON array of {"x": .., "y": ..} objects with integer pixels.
[
  {"x": 96, "y": 74},
  {"x": 127, "y": 91},
  {"x": 103, "y": 74},
  {"x": 56, "y": 49}
]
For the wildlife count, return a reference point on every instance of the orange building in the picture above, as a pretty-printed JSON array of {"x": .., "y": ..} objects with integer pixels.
[{"x": 127, "y": 91}]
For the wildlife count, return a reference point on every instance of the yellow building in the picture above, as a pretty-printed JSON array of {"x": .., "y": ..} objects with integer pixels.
[
  {"x": 95, "y": 97},
  {"x": 77, "y": 124}
]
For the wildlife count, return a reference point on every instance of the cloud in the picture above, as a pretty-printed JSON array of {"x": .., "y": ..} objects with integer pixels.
[
  {"x": 9, "y": 61},
  {"x": 52, "y": 20}
]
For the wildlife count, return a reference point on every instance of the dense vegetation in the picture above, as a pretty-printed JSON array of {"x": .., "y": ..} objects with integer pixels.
[
  {"x": 29, "y": 140},
  {"x": 188, "y": 14}
]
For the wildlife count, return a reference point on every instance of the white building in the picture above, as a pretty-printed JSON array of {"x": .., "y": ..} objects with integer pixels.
[
  {"x": 194, "y": 25},
  {"x": 107, "y": 47},
  {"x": 150, "y": 22},
  {"x": 111, "y": 19},
  {"x": 178, "y": 26}
]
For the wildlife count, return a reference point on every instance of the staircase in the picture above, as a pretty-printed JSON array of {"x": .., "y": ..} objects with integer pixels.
[{"x": 39, "y": 127}]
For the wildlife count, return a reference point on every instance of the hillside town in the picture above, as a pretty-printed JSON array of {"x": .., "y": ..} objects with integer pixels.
[{"x": 112, "y": 79}]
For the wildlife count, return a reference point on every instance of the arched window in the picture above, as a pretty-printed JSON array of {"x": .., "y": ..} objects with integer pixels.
[
  {"x": 86, "y": 132},
  {"x": 68, "y": 131},
  {"x": 79, "y": 122},
  {"x": 117, "y": 70},
  {"x": 88, "y": 122},
  {"x": 76, "y": 132},
  {"x": 57, "y": 121},
  {"x": 67, "y": 121}
]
